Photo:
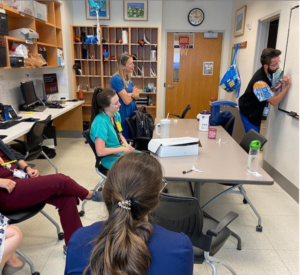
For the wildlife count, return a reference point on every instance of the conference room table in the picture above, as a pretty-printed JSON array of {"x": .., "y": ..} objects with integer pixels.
[
  {"x": 67, "y": 118},
  {"x": 221, "y": 160}
]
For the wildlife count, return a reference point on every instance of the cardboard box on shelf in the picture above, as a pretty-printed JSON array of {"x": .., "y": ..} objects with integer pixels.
[
  {"x": 21, "y": 6},
  {"x": 40, "y": 11}
]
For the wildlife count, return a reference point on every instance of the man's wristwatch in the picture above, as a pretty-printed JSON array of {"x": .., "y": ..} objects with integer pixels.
[
  {"x": 25, "y": 168},
  {"x": 132, "y": 96}
]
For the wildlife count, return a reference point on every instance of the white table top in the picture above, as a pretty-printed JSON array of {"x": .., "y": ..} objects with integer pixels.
[
  {"x": 224, "y": 162},
  {"x": 24, "y": 127}
]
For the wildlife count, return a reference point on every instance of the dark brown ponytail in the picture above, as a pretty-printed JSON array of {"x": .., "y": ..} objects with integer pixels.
[
  {"x": 101, "y": 99},
  {"x": 121, "y": 248}
]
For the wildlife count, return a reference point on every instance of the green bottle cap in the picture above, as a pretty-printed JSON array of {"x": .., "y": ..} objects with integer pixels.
[{"x": 255, "y": 144}]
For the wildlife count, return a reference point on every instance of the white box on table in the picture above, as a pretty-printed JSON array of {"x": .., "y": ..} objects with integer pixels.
[{"x": 174, "y": 147}]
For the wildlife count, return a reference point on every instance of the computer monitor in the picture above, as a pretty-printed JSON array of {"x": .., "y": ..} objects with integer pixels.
[
  {"x": 28, "y": 93},
  {"x": 50, "y": 84}
]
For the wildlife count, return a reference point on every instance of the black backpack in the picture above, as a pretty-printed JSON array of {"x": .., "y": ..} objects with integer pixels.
[{"x": 144, "y": 123}]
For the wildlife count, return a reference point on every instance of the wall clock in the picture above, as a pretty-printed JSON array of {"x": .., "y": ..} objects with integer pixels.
[{"x": 196, "y": 17}]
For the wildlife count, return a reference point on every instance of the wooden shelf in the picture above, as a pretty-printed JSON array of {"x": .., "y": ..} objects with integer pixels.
[
  {"x": 46, "y": 44},
  {"x": 10, "y": 38},
  {"x": 50, "y": 33},
  {"x": 97, "y": 72}
]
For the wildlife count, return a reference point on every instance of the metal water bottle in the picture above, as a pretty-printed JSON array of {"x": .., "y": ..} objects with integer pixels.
[{"x": 253, "y": 158}]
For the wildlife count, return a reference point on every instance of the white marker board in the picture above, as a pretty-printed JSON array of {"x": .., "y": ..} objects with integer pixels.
[{"x": 291, "y": 64}]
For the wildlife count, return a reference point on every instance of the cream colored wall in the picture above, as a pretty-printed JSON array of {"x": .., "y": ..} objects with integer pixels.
[
  {"x": 170, "y": 16},
  {"x": 282, "y": 149}
]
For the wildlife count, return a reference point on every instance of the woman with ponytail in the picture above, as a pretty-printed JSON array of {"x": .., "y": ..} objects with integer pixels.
[
  {"x": 106, "y": 130},
  {"x": 126, "y": 243}
]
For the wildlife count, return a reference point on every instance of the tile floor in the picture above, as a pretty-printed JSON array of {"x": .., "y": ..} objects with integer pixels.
[{"x": 275, "y": 251}]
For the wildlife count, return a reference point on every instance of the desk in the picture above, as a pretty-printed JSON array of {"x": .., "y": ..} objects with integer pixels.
[{"x": 68, "y": 118}]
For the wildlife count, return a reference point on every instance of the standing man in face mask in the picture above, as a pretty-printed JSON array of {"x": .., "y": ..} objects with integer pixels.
[{"x": 261, "y": 90}]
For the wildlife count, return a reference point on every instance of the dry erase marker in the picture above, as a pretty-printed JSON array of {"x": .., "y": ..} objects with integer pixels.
[{"x": 187, "y": 171}]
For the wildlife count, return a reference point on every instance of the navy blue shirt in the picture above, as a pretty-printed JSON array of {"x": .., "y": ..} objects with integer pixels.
[{"x": 171, "y": 252}]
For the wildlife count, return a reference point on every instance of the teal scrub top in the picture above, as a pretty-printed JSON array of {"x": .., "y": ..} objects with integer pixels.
[{"x": 103, "y": 128}]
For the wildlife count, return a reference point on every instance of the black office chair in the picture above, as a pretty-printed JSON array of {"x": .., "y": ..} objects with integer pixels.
[
  {"x": 18, "y": 216},
  {"x": 184, "y": 214},
  {"x": 102, "y": 171},
  {"x": 238, "y": 188},
  {"x": 139, "y": 143},
  {"x": 33, "y": 147},
  {"x": 187, "y": 108},
  {"x": 230, "y": 125},
  {"x": 225, "y": 119}
]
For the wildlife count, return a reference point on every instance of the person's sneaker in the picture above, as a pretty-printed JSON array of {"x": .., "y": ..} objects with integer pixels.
[
  {"x": 97, "y": 196},
  {"x": 65, "y": 251}
]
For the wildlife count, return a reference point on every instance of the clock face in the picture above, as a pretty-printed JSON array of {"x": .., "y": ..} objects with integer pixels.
[{"x": 196, "y": 17}]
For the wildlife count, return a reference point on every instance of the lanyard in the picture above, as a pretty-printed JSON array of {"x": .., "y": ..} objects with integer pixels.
[{"x": 117, "y": 131}]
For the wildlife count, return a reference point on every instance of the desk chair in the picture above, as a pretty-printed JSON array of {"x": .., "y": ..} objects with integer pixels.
[
  {"x": 139, "y": 143},
  {"x": 238, "y": 188},
  {"x": 225, "y": 119},
  {"x": 187, "y": 108},
  {"x": 33, "y": 147},
  {"x": 230, "y": 125},
  {"x": 102, "y": 171},
  {"x": 184, "y": 214},
  {"x": 21, "y": 215}
]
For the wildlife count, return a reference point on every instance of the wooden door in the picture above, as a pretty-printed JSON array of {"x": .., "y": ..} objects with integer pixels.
[{"x": 193, "y": 87}]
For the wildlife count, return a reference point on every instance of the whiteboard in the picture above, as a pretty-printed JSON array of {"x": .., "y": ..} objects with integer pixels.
[{"x": 291, "y": 64}]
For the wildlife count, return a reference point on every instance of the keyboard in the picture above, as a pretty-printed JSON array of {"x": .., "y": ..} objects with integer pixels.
[
  {"x": 53, "y": 102},
  {"x": 8, "y": 124},
  {"x": 39, "y": 108}
]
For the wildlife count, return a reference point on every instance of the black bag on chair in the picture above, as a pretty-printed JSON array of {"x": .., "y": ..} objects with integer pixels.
[{"x": 144, "y": 123}]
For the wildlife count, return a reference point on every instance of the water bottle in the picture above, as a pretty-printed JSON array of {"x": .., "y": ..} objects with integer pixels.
[{"x": 253, "y": 158}]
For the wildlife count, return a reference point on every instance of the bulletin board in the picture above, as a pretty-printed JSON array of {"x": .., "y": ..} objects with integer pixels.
[{"x": 291, "y": 64}]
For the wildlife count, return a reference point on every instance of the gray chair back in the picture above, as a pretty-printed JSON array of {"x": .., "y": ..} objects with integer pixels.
[{"x": 250, "y": 136}]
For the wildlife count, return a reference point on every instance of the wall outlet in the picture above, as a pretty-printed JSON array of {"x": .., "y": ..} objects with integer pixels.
[{"x": 249, "y": 25}]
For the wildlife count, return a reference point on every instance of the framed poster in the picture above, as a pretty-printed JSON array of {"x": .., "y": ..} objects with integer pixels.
[
  {"x": 240, "y": 17},
  {"x": 103, "y": 13},
  {"x": 208, "y": 68},
  {"x": 136, "y": 10}
]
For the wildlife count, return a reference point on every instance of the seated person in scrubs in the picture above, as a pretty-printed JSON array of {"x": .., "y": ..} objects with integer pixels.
[{"x": 106, "y": 129}]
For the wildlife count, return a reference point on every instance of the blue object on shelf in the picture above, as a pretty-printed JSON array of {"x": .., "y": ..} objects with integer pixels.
[{"x": 215, "y": 106}]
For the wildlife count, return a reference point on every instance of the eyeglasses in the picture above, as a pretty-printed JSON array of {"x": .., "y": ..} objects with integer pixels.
[
  {"x": 164, "y": 185},
  {"x": 275, "y": 65}
]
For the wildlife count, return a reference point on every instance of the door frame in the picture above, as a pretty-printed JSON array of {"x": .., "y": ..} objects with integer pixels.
[
  {"x": 165, "y": 45},
  {"x": 262, "y": 36}
]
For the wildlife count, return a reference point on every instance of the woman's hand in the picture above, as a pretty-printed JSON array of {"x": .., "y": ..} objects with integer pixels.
[
  {"x": 135, "y": 93},
  {"x": 8, "y": 184},
  {"x": 128, "y": 149},
  {"x": 33, "y": 173}
]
